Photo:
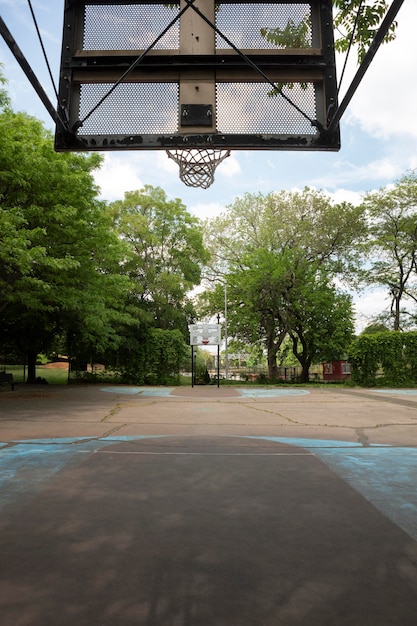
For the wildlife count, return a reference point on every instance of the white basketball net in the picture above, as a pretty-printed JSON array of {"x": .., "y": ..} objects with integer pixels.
[{"x": 197, "y": 165}]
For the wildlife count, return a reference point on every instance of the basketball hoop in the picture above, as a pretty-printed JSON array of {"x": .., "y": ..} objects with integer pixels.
[
  {"x": 197, "y": 165},
  {"x": 205, "y": 342}
]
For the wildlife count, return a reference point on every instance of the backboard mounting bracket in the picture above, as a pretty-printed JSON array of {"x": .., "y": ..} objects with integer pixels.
[{"x": 196, "y": 115}]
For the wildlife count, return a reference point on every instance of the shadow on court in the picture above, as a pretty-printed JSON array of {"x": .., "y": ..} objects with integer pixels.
[{"x": 200, "y": 531}]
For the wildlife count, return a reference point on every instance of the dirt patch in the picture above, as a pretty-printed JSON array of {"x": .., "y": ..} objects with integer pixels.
[{"x": 59, "y": 365}]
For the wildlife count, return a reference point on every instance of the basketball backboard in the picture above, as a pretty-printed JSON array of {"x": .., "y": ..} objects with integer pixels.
[
  {"x": 205, "y": 334},
  {"x": 145, "y": 75}
]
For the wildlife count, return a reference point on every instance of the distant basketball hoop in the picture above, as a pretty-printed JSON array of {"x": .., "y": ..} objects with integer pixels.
[
  {"x": 197, "y": 165},
  {"x": 205, "y": 334}
]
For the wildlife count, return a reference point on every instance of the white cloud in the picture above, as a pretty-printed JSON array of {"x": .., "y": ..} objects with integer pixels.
[
  {"x": 368, "y": 306},
  {"x": 230, "y": 166},
  {"x": 203, "y": 211},
  {"x": 117, "y": 176},
  {"x": 344, "y": 172},
  {"x": 383, "y": 168},
  {"x": 345, "y": 195},
  {"x": 165, "y": 164}
]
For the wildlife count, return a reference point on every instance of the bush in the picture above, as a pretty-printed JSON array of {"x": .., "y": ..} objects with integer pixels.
[{"x": 384, "y": 359}]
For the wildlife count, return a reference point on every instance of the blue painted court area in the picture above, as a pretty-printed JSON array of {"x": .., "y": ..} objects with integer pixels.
[
  {"x": 159, "y": 392},
  {"x": 27, "y": 466},
  {"x": 246, "y": 392},
  {"x": 257, "y": 392},
  {"x": 384, "y": 475},
  {"x": 387, "y": 477}
]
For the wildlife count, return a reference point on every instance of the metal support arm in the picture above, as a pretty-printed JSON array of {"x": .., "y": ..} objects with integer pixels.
[
  {"x": 21, "y": 59},
  {"x": 377, "y": 41}
]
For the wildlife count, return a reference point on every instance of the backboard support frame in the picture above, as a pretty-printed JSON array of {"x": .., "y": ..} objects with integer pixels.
[{"x": 211, "y": 67}]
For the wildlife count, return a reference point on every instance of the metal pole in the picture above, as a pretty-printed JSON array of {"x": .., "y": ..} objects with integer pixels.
[
  {"x": 192, "y": 366},
  {"x": 218, "y": 356},
  {"x": 225, "y": 332},
  {"x": 20, "y": 58},
  {"x": 218, "y": 365}
]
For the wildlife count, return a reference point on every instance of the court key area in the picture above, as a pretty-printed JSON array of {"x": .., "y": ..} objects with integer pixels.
[{"x": 202, "y": 506}]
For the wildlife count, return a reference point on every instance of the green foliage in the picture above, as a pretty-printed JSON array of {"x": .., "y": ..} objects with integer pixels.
[
  {"x": 368, "y": 20},
  {"x": 60, "y": 257},
  {"x": 375, "y": 327},
  {"x": 165, "y": 255},
  {"x": 202, "y": 376},
  {"x": 4, "y": 97},
  {"x": 166, "y": 353},
  {"x": 163, "y": 261},
  {"x": 285, "y": 355},
  {"x": 278, "y": 255},
  {"x": 91, "y": 279},
  {"x": 293, "y": 35},
  {"x": 385, "y": 359},
  {"x": 391, "y": 246},
  {"x": 155, "y": 359},
  {"x": 319, "y": 320}
]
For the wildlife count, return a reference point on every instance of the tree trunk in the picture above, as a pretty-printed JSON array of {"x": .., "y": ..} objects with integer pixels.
[
  {"x": 79, "y": 365},
  {"x": 304, "y": 378},
  {"x": 272, "y": 349},
  {"x": 31, "y": 359},
  {"x": 397, "y": 311},
  {"x": 303, "y": 360},
  {"x": 272, "y": 365}
]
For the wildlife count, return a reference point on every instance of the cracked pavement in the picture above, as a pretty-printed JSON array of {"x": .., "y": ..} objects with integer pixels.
[
  {"x": 205, "y": 506},
  {"x": 361, "y": 416}
]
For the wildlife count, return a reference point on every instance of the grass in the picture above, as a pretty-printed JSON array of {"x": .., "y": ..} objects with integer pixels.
[
  {"x": 59, "y": 376},
  {"x": 54, "y": 376}
]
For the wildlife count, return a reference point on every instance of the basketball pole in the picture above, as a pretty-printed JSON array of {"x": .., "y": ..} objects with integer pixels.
[
  {"x": 218, "y": 356},
  {"x": 218, "y": 365},
  {"x": 192, "y": 366},
  {"x": 226, "y": 348}
]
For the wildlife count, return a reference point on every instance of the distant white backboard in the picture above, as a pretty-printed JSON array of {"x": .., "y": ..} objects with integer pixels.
[{"x": 205, "y": 334}]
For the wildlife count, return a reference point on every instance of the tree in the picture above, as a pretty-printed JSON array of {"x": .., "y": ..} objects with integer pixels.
[
  {"x": 164, "y": 258},
  {"x": 392, "y": 246},
  {"x": 356, "y": 23},
  {"x": 262, "y": 247},
  {"x": 374, "y": 327},
  {"x": 59, "y": 262},
  {"x": 166, "y": 254},
  {"x": 264, "y": 285},
  {"x": 319, "y": 319},
  {"x": 292, "y": 296}
]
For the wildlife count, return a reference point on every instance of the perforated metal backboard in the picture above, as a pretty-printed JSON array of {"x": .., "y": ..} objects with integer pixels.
[{"x": 197, "y": 73}]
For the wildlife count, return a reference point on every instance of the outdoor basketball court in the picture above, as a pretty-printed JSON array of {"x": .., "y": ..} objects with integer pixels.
[{"x": 132, "y": 505}]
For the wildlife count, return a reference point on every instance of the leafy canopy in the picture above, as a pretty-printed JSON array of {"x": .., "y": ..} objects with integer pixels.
[{"x": 59, "y": 255}]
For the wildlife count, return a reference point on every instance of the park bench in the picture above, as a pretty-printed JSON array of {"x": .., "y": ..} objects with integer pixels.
[{"x": 6, "y": 379}]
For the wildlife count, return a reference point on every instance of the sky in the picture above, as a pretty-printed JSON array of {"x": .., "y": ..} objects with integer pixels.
[{"x": 378, "y": 131}]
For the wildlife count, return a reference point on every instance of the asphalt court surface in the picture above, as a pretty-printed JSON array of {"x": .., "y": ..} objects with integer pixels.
[{"x": 207, "y": 506}]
